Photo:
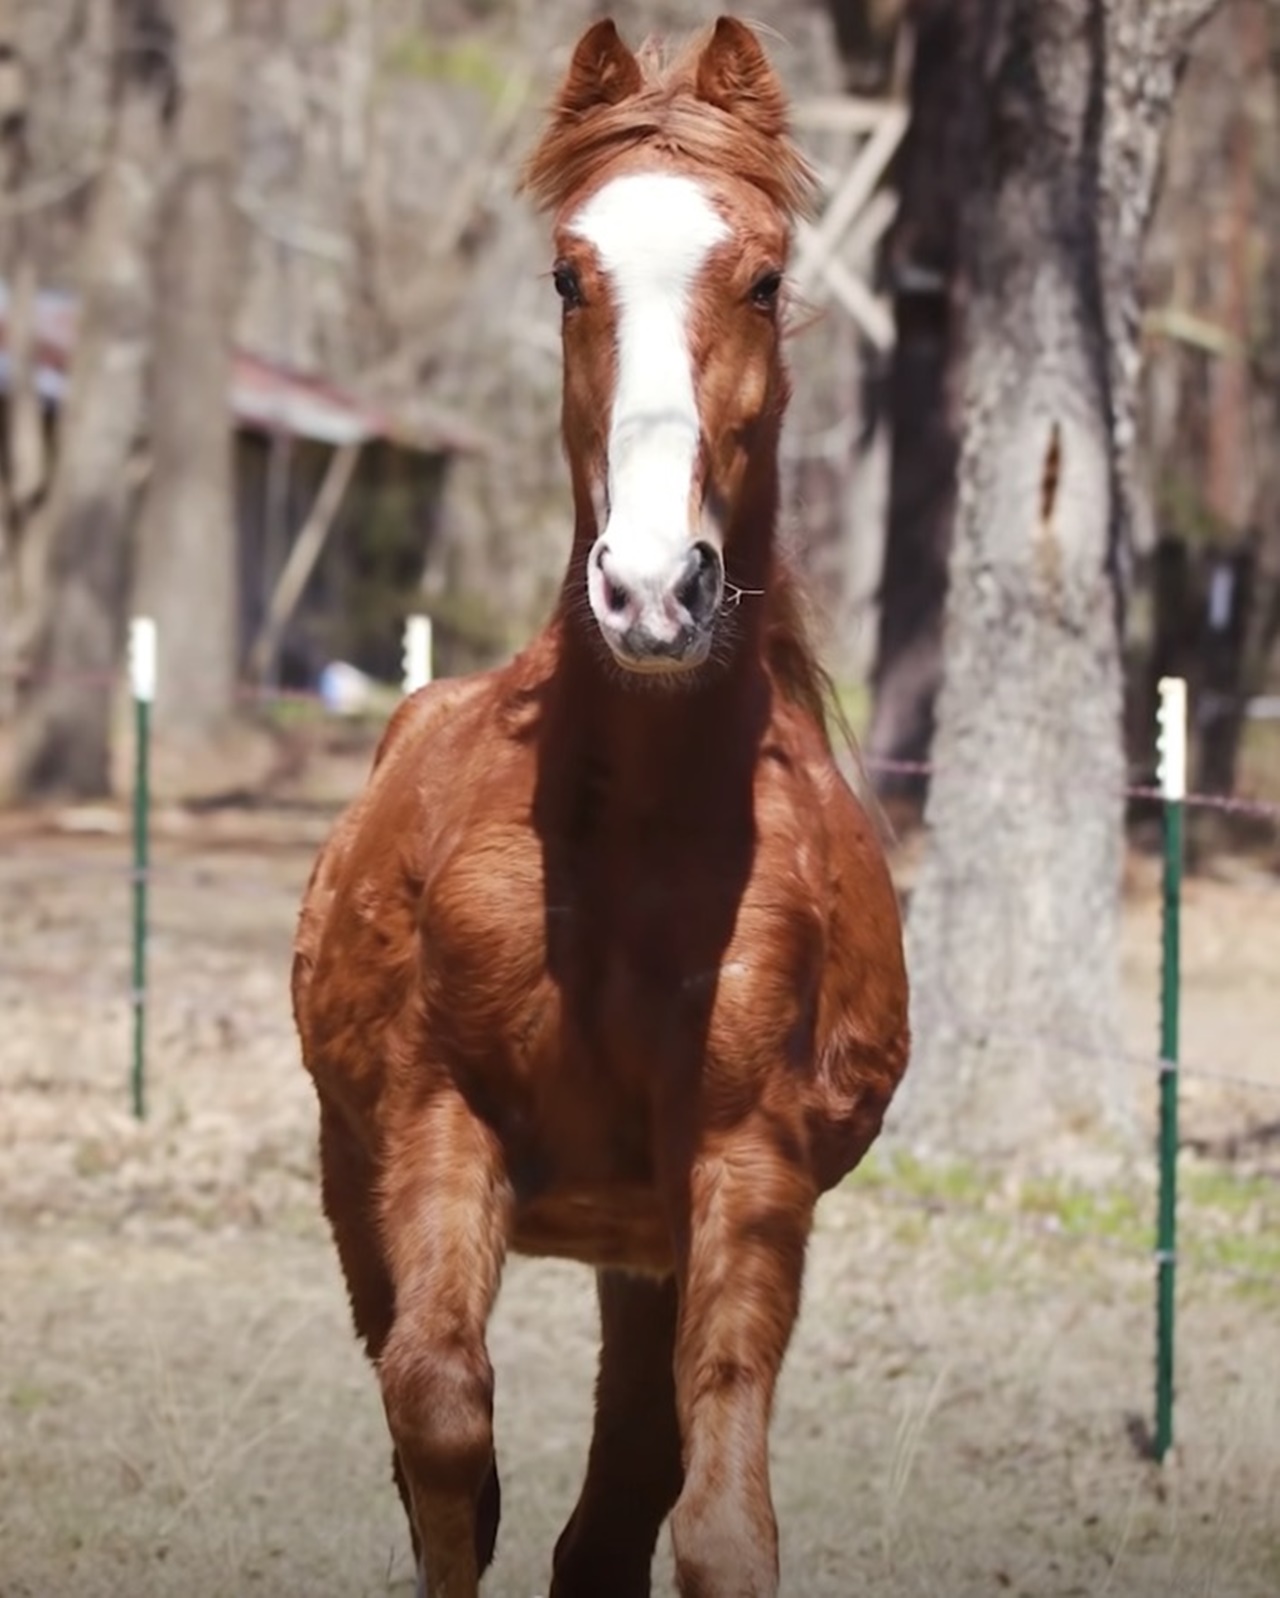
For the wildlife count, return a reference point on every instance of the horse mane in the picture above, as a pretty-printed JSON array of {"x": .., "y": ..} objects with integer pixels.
[
  {"x": 667, "y": 114},
  {"x": 792, "y": 656},
  {"x": 803, "y": 681}
]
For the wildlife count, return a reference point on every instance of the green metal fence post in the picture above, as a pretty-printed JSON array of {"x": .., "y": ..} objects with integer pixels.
[
  {"x": 1171, "y": 742},
  {"x": 142, "y": 674}
]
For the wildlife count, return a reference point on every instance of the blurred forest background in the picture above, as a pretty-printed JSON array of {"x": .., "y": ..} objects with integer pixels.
[{"x": 280, "y": 361}]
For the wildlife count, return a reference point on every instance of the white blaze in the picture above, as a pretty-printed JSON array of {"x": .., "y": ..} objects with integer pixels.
[{"x": 652, "y": 233}]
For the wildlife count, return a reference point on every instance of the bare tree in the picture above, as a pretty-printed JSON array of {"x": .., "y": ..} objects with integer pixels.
[
  {"x": 1263, "y": 643},
  {"x": 62, "y": 731},
  {"x": 922, "y": 389},
  {"x": 24, "y": 458},
  {"x": 919, "y": 387},
  {"x": 867, "y": 37},
  {"x": 1014, "y": 922},
  {"x": 187, "y": 577}
]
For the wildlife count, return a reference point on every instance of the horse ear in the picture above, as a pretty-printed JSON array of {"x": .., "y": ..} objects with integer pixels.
[
  {"x": 734, "y": 74},
  {"x": 603, "y": 72}
]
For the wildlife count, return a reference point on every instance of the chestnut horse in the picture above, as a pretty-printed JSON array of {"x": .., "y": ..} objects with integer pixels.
[{"x": 605, "y": 962}]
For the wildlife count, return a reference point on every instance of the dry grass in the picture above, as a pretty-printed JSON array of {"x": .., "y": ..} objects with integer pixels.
[{"x": 183, "y": 1409}]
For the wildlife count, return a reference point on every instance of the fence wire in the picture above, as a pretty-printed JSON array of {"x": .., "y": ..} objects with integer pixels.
[
  {"x": 1222, "y": 1075},
  {"x": 205, "y": 872},
  {"x": 1231, "y": 804},
  {"x": 1052, "y": 1229}
]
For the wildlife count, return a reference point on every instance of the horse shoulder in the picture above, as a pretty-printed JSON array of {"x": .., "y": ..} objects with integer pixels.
[
  {"x": 357, "y": 948},
  {"x": 409, "y": 726},
  {"x": 862, "y": 1037},
  {"x": 426, "y": 709},
  {"x": 770, "y": 981},
  {"x": 818, "y": 978}
]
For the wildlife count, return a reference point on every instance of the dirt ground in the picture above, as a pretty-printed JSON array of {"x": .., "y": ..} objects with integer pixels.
[{"x": 183, "y": 1409}]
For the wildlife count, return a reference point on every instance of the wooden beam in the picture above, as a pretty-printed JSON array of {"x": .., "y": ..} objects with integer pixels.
[
  {"x": 302, "y": 559},
  {"x": 841, "y": 114},
  {"x": 870, "y": 313},
  {"x": 859, "y": 184},
  {"x": 871, "y": 226}
]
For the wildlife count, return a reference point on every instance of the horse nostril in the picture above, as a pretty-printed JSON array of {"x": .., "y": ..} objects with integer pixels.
[
  {"x": 616, "y": 597},
  {"x": 701, "y": 583}
]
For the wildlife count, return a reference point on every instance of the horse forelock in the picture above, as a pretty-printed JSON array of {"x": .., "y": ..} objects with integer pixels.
[{"x": 666, "y": 115}]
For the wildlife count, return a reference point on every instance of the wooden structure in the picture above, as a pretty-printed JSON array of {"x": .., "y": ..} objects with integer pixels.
[
  {"x": 834, "y": 253},
  {"x": 337, "y": 501}
]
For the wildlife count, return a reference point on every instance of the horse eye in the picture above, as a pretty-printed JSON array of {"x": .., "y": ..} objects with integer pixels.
[
  {"x": 764, "y": 291},
  {"x": 567, "y": 285}
]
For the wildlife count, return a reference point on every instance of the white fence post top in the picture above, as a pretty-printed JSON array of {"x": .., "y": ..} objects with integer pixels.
[
  {"x": 142, "y": 658},
  {"x": 1171, "y": 738}
]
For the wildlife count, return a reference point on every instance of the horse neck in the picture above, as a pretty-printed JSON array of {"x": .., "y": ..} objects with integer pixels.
[{"x": 651, "y": 749}]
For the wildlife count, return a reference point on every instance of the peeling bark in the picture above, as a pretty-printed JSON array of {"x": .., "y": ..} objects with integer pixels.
[
  {"x": 25, "y": 462},
  {"x": 62, "y": 726},
  {"x": 188, "y": 551},
  {"x": 923, "y": 389},
  {"x": 1014, "y": 923}
]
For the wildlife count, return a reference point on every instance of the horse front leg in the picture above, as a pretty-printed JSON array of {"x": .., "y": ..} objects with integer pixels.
[
  {"x": 445, "y": 1211},
  {"x": 633, "y": 1470},
  {"x": 749, "y": 1202}
]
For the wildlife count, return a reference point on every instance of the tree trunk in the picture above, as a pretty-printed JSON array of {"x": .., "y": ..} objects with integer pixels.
[
  {"x": 923, "y": 398},
  {"x": 25, "y": 463},
  {"x": 1229, "y": 488},
  {"x": 63, "y": 722},
  {"x": 1262, "y": 646},
  {"x": 1014, "y": 922},
  {"x": 1233, "y": 469},
  {"x": 867, "y": 35},
  {"x": 188, "y": 575}
]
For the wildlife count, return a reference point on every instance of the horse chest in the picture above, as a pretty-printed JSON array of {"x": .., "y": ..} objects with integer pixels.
[
  {"x": 508, "y": 923},
  {"x": 560, "y": 996}
]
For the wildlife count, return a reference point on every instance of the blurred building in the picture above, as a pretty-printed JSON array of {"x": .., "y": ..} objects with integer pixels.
[{"x": 288, "y": 426}]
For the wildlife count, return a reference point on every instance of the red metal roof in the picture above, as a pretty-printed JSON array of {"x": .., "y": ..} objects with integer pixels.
[{"x": 265, "y": 395}]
